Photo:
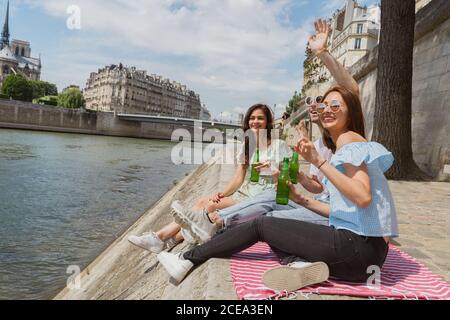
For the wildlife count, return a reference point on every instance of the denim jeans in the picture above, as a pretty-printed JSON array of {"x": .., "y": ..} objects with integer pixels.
[{"x": 265, "y": 204}]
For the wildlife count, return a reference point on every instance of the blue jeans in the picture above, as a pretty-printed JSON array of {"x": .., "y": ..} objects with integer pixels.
[{"x": 265, "y": 204}]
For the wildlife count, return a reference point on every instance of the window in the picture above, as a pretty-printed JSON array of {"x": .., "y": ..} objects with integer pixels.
[
  {"x": 23, "y": 52},
  {"x": 17, "y": 51},
  {"x": 357, "y": 43},
  {"x": 359, "y": 28}
]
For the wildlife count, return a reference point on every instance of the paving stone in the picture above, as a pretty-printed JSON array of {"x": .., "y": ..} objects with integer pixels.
[{"x": 415, "y": 252}]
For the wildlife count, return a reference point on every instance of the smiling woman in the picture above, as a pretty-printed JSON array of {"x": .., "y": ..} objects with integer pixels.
[
  {"x": 361, "y": 211},
  {"x": 258, "y": 121},
  {"x": 348, "y": 115}
]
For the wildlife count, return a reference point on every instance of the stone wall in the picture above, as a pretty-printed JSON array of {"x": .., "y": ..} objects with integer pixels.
[
  {"x": 431, "y": 89},
  {"x": 21, "y": 115}
]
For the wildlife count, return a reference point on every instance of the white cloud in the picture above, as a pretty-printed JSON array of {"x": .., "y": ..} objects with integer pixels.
[
  {"x": 236, "y": 47},
  {"x": 240, "y": 110}
]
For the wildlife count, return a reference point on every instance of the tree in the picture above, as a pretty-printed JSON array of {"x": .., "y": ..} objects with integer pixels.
[
  {"x": 43, "y": 89},
  {"x": 71, "y": 98},
  {"x": 294, "y": 103},
  {"x": 392, "y": 118},
  {"x": 17, "y": 87},
  {"x": 47, "y": 100},
  {"x": 310, "y": 69}
]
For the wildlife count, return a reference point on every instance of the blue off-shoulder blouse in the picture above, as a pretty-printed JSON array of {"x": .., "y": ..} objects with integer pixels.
[{"x": 380, "y": 218}]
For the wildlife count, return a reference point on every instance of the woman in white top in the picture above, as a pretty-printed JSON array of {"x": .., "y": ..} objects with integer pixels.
[{"x": 259, "y": 118}]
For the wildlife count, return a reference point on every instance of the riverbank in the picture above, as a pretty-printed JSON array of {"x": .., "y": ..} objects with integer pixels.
[
  {"x": 35, "y": 117},
  {"x": 125, "y": 272},
  {"x": 29, "y": 116},
  {"x": 65, "y": 197}
]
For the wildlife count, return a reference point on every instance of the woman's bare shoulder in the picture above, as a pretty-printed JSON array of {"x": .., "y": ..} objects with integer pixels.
[{"x": 351, "y": 137}]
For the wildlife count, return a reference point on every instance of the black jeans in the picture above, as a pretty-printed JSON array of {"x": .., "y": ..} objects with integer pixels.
[{"x": 347, "y": 254}]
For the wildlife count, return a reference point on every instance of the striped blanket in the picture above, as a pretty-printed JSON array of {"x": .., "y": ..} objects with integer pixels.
[{"x": 402, "y": 277}]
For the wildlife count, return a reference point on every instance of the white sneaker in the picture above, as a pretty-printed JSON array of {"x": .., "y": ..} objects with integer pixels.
[
  {"x": 175, "y": 265},
  {"x": 171, "y": 243},
  {"x": 295, "y": 276},
  {"x": 150, "y": 242},
  {"x": 195, "y": 221}
]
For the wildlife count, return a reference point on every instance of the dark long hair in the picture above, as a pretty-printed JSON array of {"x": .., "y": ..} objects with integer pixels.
[
  {"x": 355, "y": 115},
  {"x": 246, "y": 126}
]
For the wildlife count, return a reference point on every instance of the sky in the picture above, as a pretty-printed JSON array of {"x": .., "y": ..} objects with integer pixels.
[{"x": 234, "y": 53}]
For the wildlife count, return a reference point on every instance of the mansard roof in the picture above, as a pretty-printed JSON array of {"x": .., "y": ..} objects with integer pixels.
[
  {"x": 7, "y": 54},
  {"x": 33, "y": 63}
]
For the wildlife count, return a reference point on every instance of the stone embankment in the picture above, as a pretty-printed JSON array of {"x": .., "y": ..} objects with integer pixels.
[{"x": 123, "y": 271}]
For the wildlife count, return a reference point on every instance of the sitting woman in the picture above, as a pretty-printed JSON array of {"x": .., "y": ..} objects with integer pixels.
[
  {"x": 258, "y": 117},
  {"x": 362, "y": 216}
]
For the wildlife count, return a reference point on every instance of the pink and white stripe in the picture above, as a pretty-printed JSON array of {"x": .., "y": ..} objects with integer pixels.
[{"x": 402, "y": 277}]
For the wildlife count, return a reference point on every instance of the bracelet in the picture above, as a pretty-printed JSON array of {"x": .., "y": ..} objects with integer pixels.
[
  {"x": 322, "y": 164},
  {"x": 321, "y": 51}
]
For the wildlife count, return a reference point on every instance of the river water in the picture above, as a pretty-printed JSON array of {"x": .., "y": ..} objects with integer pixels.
[{"x": 65, "y": 197}]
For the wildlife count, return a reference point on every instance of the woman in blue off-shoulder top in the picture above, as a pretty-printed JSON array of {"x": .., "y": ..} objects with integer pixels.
[{"x": 362, "y": 216}]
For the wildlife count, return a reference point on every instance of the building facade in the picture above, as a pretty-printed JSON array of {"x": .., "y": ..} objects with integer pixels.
[
  {"x": 205, "y": 113},
  {"x": 117, "y": 88},
  {"x": 15, "y": 56},
  {"x": 355, "y": 31}
]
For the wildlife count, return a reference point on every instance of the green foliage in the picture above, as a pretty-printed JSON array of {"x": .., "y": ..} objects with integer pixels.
[
  {"x": 295, "y": 122},
  {"x": 310, "y": 69},
  {"x": 47, "y": 100},
  {"x": 43, "y": 88},
  {"x": 3, "y": 96},
  {"x": 294, "y": 103},
  {"x": 18, "y": 88},
  {"x": 71, "y": 98}
]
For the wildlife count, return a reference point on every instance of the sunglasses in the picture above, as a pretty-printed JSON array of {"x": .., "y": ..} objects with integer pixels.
[
  {"x": 335, "y": 106},
  {"x": 313, "y": 100}
]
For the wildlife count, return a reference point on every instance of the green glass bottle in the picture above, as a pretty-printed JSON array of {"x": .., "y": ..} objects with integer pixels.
[
  {"x": 294, "y": 167},
  {"x": 254, "y": 176},
  {"x": 283, "y": 187}
]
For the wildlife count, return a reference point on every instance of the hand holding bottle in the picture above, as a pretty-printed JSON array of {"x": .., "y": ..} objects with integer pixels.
[
  {"x": 275, "y": 175},
  {"x": 254, "y": 174},
  {"x": 261, "y": 165},
  {"x": 282, "y": 196},
  {"x": 296, "y": 196}
]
